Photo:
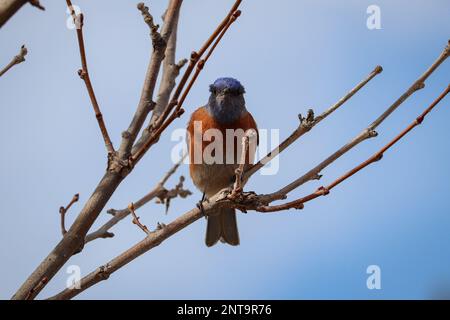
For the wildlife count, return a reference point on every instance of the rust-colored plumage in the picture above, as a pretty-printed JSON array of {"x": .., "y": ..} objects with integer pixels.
[{"x": 213, "y": 177}]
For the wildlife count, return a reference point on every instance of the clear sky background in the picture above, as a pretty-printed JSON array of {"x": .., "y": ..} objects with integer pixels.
[{"x": 290, "y": 56}]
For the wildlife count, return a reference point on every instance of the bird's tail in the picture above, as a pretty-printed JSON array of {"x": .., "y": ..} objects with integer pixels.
[{"x": 222, "y": 226}]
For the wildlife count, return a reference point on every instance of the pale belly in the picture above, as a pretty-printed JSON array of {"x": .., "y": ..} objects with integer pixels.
[{"x": 211, "y": 178}]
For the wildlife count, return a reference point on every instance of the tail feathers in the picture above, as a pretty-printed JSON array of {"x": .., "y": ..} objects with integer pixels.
[
  {"x": 222, "y": 225},
  {"x": 230, "y": 232},
  {"x": 213, "y": 230}
]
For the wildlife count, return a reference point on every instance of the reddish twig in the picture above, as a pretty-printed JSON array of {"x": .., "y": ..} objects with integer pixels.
[
  {"x": 195, "y": 57},
  {"x": 322, "y": 191},
  {"x": 159, "y": 44},
  {"x": 73, "y": 242},
  {"x": 244, "y": 201},
  {"x": 174, "y": 109},
  {"x": 201, "y": 63},
  {"x": 84, "y": 75},
  {"x": 308, "y": 122},
  {"x": 136, "y": 219},
  {"x": 368, "y": 132},
  {"x": 63, "y": 211}
]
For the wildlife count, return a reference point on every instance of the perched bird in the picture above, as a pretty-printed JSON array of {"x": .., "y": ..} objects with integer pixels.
[{"x": 225, "y": 114}]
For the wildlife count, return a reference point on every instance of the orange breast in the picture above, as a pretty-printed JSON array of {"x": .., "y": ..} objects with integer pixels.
[{"x": 200, "y": 134}]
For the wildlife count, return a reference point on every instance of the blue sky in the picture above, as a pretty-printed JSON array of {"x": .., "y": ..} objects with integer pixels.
[{"x": 290, "y": 56}]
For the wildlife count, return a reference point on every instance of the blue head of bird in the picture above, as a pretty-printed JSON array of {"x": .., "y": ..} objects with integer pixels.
[{"x": 226, "y": 102}]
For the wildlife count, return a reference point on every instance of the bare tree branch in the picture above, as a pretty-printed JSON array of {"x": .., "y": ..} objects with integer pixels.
[
  {"x": 9, "y": 7},
  {"x": 121, "y": 163},
  {"x": 38, "y": 287},
  {"x": 151, "y": 241},
  {"x": 162, "y": 123},
  {"x": 166, "y": 196},
  {"x": 19, "y": 58},
  {"x": 146, "y": 103},
  {"x": 195, "y": 57},
  {"x": 171, "y": 70},
  {"x": 136, "y": 219},
  {"x": 322, "y": 191},
  {"x": 243, "y": 201},
  {"x": 63, "y": 211},
  {"x": 238, "y": 181},
  {"x": 174, "y": 108},
  {"x": 159, "y": 191},
  {"x": 367, "y": 133},
  {"x": 84, "y": 75},
  {"x": 74, "y": 239},
  {"x": 308, "y": 122},
  {"x": 155, "y": 238}
]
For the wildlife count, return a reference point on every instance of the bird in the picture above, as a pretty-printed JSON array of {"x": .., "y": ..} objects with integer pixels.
[{"x": 224, "y": 113}]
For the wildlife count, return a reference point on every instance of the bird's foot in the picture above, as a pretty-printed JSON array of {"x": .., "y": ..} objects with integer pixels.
[{"x": 200, "y": 205}]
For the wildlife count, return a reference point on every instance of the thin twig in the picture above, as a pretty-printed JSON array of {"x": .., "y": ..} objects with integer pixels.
[
  {"x": 16, "y": 60},
  {"x": 162, "y": 123},
  {"x": 367, "y": 133},
  {"x": 201, "y": 63},
  {"x": 63, "y": 211},
  {"x": 84, "y": 75},
  {"x": 148, "y": 19},
  {"x": 308, "y": 122},
  {"x": 239, "y": 171},
  {"x": 152, "y": 240},
  {"x": 146, "y": 103},
  {"x": 325, "y": 190},
  {"x": 171, "y": 70},
  {"x": 73, "y": 242},
  {"x": 136, "y": 219},
  {"x": 166, "y": 196},
  {"x": 155, "y": 238},
  {"x": 249, "y": 201},
  {"x": 159, "y": 191},
  {"x": 173, "y": 170},
  {"x": 195, "y": 57}
]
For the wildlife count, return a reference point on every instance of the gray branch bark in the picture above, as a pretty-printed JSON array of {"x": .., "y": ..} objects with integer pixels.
[
  {"x": 146, "y": 101},
  {"x": 73, "y": 241},
  {"x": 9, "y": 7},
  {"x": 19, "y": 58}
]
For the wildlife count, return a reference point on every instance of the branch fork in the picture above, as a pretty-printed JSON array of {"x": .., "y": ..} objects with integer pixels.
[
  {"x": 63, "y": 211},
  {"x": 157, "y": 40},
  {"x": 118, "y": 165},
  {"x": 307, "y": 122},
  {"x": 165, "y": 196}
]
